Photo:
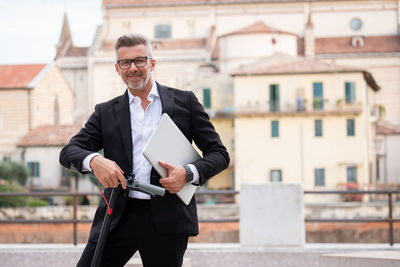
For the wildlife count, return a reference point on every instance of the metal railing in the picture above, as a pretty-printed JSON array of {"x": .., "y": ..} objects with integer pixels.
[
  {"x": 390, "y": 220},
  {"x": 217, "y": 194}
]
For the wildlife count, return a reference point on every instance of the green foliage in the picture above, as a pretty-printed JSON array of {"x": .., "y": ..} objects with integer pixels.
[
  {"x": 6, "y": 186},
  {"x": 14, "y": 171},
  {"x": 37, "y": 202},
  {"x": 69, "y": 200}
]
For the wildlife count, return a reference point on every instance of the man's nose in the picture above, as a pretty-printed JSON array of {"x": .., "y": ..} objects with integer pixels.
[{"x": 133, "y": 67}]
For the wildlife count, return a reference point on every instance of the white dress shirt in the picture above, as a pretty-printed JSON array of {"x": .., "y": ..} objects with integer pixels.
[{"x": 143, "y": 123}]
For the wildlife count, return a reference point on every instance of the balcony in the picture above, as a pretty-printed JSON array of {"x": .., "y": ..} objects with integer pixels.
[{"x": 299, "y": 108}]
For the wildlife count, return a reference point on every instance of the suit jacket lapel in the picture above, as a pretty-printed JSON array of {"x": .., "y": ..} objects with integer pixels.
[
  {"x": 123, "y": 115},
  {"x": 167, "y": 99}
]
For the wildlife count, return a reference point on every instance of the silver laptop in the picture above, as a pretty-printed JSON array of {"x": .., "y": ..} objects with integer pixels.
[{"x": 168, "y": 144}]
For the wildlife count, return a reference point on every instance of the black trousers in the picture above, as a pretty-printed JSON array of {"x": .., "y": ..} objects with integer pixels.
[{"x": 136, "y": 232}]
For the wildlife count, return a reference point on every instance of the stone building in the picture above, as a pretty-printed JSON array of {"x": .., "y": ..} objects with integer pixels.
[{"x": 31, "y": 96}]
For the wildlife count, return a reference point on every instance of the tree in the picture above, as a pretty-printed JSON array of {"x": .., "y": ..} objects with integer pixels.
[
  {"x": 6, "y": 186},
  {"x": 14, "y": 171}
]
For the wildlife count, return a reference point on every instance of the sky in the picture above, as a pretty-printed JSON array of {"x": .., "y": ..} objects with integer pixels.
[{"x": 30, "y": 29}]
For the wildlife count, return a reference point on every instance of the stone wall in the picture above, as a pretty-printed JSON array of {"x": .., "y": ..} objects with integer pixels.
[{"x": 209, "y": 232}]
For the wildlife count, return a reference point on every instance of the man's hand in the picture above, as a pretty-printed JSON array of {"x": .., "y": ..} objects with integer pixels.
[
  {"x": 176, "y": 178},
  {"x": 107, "y": 172}
]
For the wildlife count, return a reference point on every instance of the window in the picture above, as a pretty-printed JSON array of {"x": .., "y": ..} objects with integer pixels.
[
  {"x": 276, "y": 176},
  {"x": 357, "y": 41},
  {"x": 318, "y": 96},
  {"x": 7, "y": 159},
  {"x": 274, "y": 128},
  {"x": 318, "y": 128},
  {"x": 356, "y": 24},
  {"x": 350, "y": 127},
  {"x": 34, "y": 169},
  {"x": 352, "y": 174},
  {"x": 319, "y": 176},
  {"x": 207, "y": 97},
  {"x": 163, "y": 31},
  {"x": 274, "y": 97},
  {"x": 350, "y": 91}
]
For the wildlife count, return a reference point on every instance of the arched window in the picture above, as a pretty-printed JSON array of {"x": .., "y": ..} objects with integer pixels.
[{"x": 163, "y": 31}]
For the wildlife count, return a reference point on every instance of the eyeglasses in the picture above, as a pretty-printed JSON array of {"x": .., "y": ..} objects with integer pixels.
[{"x": 138, "y": 61}]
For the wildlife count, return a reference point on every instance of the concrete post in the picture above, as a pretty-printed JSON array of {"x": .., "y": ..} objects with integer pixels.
[{"x": 272, "y": 215}]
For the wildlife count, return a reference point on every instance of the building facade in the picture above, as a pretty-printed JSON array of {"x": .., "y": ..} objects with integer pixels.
[
  {"x": 199, "y": 44},
  {"x": 40, "y": 150},
  {"x": 31, "y": 96},
  {"x": 301, "y": 121}
]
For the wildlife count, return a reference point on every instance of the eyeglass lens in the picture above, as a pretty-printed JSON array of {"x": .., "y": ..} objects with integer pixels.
[{"x": 126, "y": 63}]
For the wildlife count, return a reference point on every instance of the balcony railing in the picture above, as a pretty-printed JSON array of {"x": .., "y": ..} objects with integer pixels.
[{"x": 257, "y": 108}]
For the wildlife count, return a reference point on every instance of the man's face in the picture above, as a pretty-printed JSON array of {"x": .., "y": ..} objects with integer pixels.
[{"x": 136, "y": 78}]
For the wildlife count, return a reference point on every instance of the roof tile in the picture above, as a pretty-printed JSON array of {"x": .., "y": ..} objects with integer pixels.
[
  {"x": 18, "y": 76},
  {"x": 258, "y": 27},
  {"x": 372, "y": 44},
  {"x": 76, "y": 51},
  {"x": 49, "y": 135},
  {"x": 384, "y": 128},
  {"x": 194, "y": 2},
  {"x": 282, "y": 64}
]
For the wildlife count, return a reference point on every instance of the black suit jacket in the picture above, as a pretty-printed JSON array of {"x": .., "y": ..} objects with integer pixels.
[{"x": 109, "y": 128}]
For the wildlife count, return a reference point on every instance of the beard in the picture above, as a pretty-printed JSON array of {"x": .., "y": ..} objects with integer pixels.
[{"x": 137, "y": 80}]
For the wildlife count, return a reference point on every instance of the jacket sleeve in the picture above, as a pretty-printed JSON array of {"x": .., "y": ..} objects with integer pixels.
[
  {"x": 87, "y": 141},
  {"x": 215, "y": 157}
]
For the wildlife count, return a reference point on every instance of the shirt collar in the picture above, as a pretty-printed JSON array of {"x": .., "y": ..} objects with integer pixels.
[{"x": 152, "y": 94}]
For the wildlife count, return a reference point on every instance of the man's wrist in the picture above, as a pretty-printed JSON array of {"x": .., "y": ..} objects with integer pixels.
[
  {"x": 92, "y": 161},
  {"x": 86, "y": 162},
  {"x": 189, "y": 173}
]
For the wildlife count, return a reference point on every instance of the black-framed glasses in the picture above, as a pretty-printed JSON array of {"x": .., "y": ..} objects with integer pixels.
[{"x": 138, "y": 61}]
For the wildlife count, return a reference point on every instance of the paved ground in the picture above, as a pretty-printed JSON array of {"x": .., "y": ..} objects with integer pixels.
[{"x": 201, "y": 255}]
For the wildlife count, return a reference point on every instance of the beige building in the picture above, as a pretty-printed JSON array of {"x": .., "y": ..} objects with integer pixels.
[
  {"x": 299, "y": 120},
  {"x": 198, "y": 44},
  {"x": 388, "y": 147},
  {"x": 40, "y": 150},
  {"x": 31, "y": 96}
]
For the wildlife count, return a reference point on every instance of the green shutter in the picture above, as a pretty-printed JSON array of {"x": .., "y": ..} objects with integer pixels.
[
  {"x": 274, "y": 98},
  {"x": 352, "y": 174},
  {"x": 319, "y": 177},
  {"x": 274, "y": 128},
  {"x": 350, "y": 127},
  {"x": 207, "y": 97},
  {"x": 318, "y": 94},
  {"x": 318, "y": 127},
  {"x": 350, "y": 92},
  {"x": 275, "y": 176}
]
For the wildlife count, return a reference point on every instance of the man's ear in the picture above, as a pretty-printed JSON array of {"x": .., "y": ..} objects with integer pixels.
[
  {"x": 153, "y": 64},
  {"x": 116, "y": 68}
]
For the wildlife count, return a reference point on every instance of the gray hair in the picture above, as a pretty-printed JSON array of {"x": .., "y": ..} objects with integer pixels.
[{"x": 130, "y": 40}]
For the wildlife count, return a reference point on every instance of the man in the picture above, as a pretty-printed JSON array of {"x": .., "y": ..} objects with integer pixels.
[{"x": 157, "y": 227}]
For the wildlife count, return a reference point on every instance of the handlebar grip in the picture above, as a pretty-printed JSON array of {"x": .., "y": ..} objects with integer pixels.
[{"x": 156, "y": 190}]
